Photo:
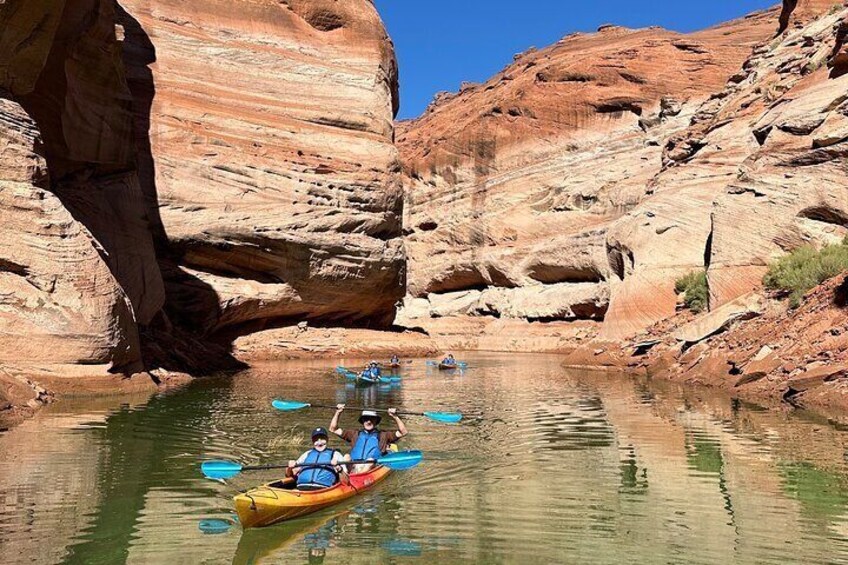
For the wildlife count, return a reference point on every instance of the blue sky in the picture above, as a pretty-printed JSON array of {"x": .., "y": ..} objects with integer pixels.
[{"x": 441, "y": 43}]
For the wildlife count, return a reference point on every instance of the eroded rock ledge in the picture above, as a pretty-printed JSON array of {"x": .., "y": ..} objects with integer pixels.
[
  {"x": 175, "y": 174},
  {"x": 601, "y": 169},
  {"x": 177, "y": 177}
]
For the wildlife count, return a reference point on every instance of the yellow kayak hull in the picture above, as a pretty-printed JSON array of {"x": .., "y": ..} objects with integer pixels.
[{"x": 279, "y": 501}]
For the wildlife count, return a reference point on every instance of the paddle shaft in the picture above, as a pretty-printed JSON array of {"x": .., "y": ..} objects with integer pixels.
[
  {"x": 309, "y": 465},
  {"x": 372, "y": 409}
]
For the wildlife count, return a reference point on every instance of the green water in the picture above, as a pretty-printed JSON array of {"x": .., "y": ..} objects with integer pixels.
[{"x": 550, "y": 466}]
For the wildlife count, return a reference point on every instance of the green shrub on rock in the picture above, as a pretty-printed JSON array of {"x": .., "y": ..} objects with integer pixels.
[
  {"x": 694, "y": 289},
  {"x": 804, "y": 268}
]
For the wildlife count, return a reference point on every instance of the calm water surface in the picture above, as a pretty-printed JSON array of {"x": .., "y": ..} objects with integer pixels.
[{"x": 550, "y": 466}]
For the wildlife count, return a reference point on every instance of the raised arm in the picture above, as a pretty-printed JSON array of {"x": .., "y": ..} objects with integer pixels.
[
  {"x": 402, "y": 431},
  {"x": 334, "y": 423}
]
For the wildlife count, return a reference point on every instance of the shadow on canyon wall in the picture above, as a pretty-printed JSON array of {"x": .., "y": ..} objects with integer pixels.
[
  {"x": 92, "y": 105},
  {"x": 174, "y": 340}
]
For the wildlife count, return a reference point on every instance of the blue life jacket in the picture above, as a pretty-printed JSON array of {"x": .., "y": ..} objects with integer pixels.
[
  {"x": 324, "y": 476},
  {"x": 375, "y": 372},
  {"x": 367, "y": 446}
]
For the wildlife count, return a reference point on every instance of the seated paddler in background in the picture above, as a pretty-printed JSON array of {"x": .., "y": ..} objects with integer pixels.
[
  {"x": 371, "y": 371},
  {"x": 323, "y": 476},
  {"x": 449, "y": 360},
  {"x": 366, "y": 372},
  {"x": 369, "y": 442}
]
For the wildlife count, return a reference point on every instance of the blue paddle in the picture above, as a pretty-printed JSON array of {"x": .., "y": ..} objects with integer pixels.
[
  {"x": 443, "y": 417},
  {"x": 398, "y": 461}
]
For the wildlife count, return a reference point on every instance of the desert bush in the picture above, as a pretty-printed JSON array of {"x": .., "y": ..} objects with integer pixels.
[
  {"x": 804, "y": 268},
  {"x": 695, "y": 291}
]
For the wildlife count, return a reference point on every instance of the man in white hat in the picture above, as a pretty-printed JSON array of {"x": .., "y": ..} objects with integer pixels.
[{"x": 368, "y": 442}]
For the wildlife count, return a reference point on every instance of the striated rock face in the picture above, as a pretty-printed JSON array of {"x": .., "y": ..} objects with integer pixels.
[
  {"x": 265, "y": 131},
  {"x": 790, "y": 189},
  {"x": 69, "y": 78},
  {"x": 174, "y": 169},
  {"x": 614, "y": 163},
  {"x": 712, "y": 206},
  {"x": 59, "y": 303},
  {"x": 79, "y": 270},
  {"x": 515, "y": 187}
]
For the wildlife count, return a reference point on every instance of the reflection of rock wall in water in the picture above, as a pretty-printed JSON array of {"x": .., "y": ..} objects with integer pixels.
[{"x": 49, "y": 490}]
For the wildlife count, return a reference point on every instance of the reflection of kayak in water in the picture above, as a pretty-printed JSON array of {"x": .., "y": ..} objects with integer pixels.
[
  {"x": 279, "y": 501},
  {"x": 258, "y": 545}
]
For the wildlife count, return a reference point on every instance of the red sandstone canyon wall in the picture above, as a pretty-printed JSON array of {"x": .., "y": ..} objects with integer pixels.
[
  {"x": 192, "y": 168},
  {"x": 583, "y": 179}
]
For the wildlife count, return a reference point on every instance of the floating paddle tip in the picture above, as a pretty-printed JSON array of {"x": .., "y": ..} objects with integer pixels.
[
  {"x": 403, "y": 548},
  {"x": 219, "y": 470},
  {"x": 447, "y": 418},
  {"x": 214, "y": 526},
  {"x": 288, "y": 405}
]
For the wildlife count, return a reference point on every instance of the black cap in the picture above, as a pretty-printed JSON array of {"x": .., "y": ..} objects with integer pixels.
[{"x": 320, "y": 432}]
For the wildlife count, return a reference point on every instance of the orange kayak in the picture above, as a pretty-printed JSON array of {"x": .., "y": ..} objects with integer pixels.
[{"x": 280, "y": 501}]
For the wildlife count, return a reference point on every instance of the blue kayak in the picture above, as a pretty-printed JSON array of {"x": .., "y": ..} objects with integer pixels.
[{"x": 368, "y": 378}]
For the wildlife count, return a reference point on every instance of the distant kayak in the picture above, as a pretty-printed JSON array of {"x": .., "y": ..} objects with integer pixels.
[
  {"x": 442, "y": 366},
  {"x": 368, "y": 379}
]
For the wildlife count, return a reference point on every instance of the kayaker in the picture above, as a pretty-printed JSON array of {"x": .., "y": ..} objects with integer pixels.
[
  {"x": 395, "y": 360},
  {"x": 449, "y": 360},
  {"x": 315, "y": 478},
  {"x": 368, "y": 442}
]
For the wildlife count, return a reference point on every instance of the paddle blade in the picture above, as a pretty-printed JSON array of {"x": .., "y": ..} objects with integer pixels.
[
  {"x": 220, "y": 469},
  {"x": 214, "y": 526},
  {"x": 346, "y": 373},
  {"x": 402, "y": 460},
  {"x": 444, "y": 417},
  {"x": 289, "y": 405}
]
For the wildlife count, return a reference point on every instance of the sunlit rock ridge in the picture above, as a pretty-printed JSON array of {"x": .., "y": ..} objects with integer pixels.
[
  {"x": 582, "y": 180},
  {"x": 178, "y": 176}
]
